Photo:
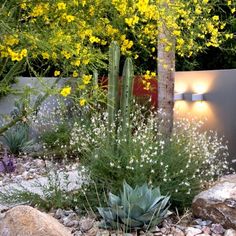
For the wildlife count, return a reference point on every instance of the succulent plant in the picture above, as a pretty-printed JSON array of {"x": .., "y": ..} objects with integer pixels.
[
  {"x": 126, "y": 98},
  {"x": 113, "y": 93},
  {"x": 138, "y": 208},
  {"x": 17, "y": 139}
]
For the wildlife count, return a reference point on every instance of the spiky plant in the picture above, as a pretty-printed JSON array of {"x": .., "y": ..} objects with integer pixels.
[
  {"x": 138, "y": 208},
  {"x": 126, "y": 98},
  {"x": 17, "y": 139},
  {"x": 113, "y": 94}
]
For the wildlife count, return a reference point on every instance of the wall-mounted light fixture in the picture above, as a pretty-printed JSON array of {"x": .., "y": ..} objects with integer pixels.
[
  {"x": 197, "y": 97},
  {"x": 178, "y": 96}
]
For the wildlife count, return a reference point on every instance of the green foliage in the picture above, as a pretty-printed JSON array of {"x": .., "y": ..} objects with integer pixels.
[
  {"x": 139, "y": 208},
  {"x": 182, "y": 165},
  {"x": 17, "y": 139},
  {"x": 59, "y": 135},
  {"x": 8, "y": 71}
]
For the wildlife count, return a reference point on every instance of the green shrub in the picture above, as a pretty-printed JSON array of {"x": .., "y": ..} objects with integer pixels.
[
  {"x": 182, "y": 165},
  {"x": 17, "y": 139},
  {"x": 139, "y": 208},
  {"x": 59, "y": 135}
]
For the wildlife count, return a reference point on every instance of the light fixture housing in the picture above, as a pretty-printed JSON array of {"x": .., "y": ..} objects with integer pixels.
[
  {"x": 197, "y": 97},
  {"x": 178, "y": 96}
]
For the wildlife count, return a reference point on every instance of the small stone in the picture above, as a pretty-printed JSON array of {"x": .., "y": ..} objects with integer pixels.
[
  {"x": 40, "y": 163},
  {"x": 217, "y": 229},
  {"x": 155, "y": 234},
  {"x": 177, "y": 232},
  {"x": 202, "y": 222},
  {"x": 197, "y": 226},
  {"x": 19, "y": 168},
  {"x": 59, "y": 214},
  {"x": 86, "y": 224},
  {"x": 102, "y": 233},
  {"x": 67, "y": 213},
  {"x": 71, "y": 218},
  {"x": 206, "y": 230},
  {"x": 78, "y": 233},
  {"x": 25, "y": 175},
  {"x": 181, "y": 227},
  {"x": 163, "y": 230},
  {"x": 72, "y": 223},
  {"x": 230, "y": 232},
  {"x": 190, "y": 231}
]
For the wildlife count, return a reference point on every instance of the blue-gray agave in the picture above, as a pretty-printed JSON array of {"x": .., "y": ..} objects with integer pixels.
[{"x": 138, "y": 208}]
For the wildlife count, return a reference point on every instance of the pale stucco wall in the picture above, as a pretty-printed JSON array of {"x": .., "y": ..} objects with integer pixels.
[{"x": 219, "y": 105}]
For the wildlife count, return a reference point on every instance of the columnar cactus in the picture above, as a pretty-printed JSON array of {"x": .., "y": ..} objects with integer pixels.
[
  {"x": 126, "y": 97},
  {"x": 113, "y": 93}
]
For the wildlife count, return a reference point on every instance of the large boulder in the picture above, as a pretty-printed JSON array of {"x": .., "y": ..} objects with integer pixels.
[
  {"x": 27, "y": 221},
  {"x": 218, "y": 203}
]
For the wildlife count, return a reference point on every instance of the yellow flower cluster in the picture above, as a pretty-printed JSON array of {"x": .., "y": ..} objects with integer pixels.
[
  {"x": 147, "y": 76},
  {"x": 66, "y": 91},
  {"x": 73, "y": 35},
  {"x": 14, "y": 55},
  {"x": 86, "y": 79}
]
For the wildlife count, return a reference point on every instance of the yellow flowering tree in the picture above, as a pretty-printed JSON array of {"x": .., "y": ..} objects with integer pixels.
[{"x": 71, "y": 37}]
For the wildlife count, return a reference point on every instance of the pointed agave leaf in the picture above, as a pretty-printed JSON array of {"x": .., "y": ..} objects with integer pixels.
[
  {"x": 118, "y": 211},
  {"x": 143, "y": 203},
  {"x": 135, "y": 211},
  {"x": 127, "y": 188},
  {"x": 106, "y": 213},
  {"x": 132, "y": 223},
  {"x": 113, "y": 199},
  {"x": 155, "y": 202},
  {"x": 164, "y": 202},
  {"x": 146, "y": 217}
]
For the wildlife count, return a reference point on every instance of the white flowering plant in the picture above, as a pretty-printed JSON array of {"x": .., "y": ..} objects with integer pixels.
[{"x": 181, "y": 165}]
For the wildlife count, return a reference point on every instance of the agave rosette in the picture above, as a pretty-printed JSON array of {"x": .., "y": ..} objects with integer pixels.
[{"x": 138, "y": 208}]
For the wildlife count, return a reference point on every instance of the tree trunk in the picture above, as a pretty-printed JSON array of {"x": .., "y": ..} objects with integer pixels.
[{"x": 166, "y": 71}]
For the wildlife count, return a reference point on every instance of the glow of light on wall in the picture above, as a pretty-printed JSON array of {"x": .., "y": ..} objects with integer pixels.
[
  {"x": 200, "y": 87},
  {"x": 181, "y": 106},
  {"x": 181, "y": 87},
  {"x": 201, "y": 107}
]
